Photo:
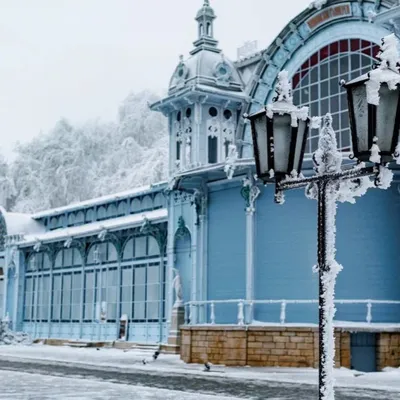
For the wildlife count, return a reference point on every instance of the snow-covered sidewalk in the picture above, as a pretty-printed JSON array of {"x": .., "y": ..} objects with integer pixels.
[{"x": 133, "y": 360}]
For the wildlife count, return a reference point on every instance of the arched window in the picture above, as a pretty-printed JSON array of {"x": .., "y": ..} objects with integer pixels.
[
  {"x": 147, "y": 203},
  {"x": 135, "y": 206},
  {"x": 111, "y": 211},
  {"x": 71, "y": 219},
  {"x": 159, "y": 201},
  {"x": 60, "y": 221},
  {"x": 140, "y": 280},
  {"x": 122, "y": 208},
  {"x": 140, "y": 247},
  {"x": 101, "y": 213},
  {"x": 89, "y": 217},
  {"x": 208, "y": 29},
  {"x": 37, "y": 288},
  {"x": 316, "y": 84},
  {"x": 101, "y": 284},
  {"x": 201, "y": 30},
  {"x": 67, "y": 286},
  {"x": 80, "y": 218},
  {"x": 102, "y": 253},
  {"x": 53, "y": 223}
]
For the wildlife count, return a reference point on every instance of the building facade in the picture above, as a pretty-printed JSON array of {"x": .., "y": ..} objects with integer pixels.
[{"x": 245, "y": 264}]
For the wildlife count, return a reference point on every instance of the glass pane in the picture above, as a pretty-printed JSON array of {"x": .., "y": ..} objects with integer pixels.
[
  {"x": 139, "y": 311},
  {"x": 127, "y": 275},
  {"x": 153, "y": 274},
  {"x": 67, "y": 257},
  {"x": 128, "y": 250},
  {"x": 153, "y": 247},
  {"x": 385, "y": 117},
  {"x": 261, "y": 131},
  {"x": 112, "y": 253},
  {"x": 140, "y": 246},
  {"x": 361, "y": 116},
  {"x": 282, "y": 140}
]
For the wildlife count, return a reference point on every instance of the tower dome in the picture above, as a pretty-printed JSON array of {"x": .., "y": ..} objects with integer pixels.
[{"x": 206, "y": 65}]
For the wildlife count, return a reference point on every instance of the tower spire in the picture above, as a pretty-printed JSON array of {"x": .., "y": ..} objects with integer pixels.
[{"x": 205, "y": 19}]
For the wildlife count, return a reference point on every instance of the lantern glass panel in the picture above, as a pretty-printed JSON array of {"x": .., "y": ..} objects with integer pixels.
[
  {"x": 260, "y": 125},
  {"x": 360, "y": 110},
  {"x": 282, "y": 141},
  {"x": 386, "y": 117},
  {"x": 302, "y": 131}
]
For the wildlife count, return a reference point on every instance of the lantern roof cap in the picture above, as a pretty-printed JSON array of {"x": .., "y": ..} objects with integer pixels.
[
  {"x": 283, "y": 101},
  {"x": 385, "y": 71}
]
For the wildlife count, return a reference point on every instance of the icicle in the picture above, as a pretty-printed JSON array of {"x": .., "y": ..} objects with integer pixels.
[{"x": 375, "y": 152}]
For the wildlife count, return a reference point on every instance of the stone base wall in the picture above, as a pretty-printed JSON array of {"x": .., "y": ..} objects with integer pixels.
[
  {"x": 388, "y": 350},
  {"x": 259, "y": 346}
]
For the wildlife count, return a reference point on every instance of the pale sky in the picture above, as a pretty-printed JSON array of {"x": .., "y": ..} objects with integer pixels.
[{"x": 80, "y": 58}]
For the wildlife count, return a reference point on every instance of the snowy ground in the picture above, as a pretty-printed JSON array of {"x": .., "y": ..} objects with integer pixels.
[
  {"x": 105, "y": 366},
  {"x": 39, "y": 387}
]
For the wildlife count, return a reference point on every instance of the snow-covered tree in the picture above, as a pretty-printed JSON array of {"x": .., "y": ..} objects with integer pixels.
[{"x": 74, "y": 163}]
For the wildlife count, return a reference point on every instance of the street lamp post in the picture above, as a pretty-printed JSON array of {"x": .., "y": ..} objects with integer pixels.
[{"x": 279, "y": 135}]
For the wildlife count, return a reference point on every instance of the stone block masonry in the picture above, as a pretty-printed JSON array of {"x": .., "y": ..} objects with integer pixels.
[
  {"x": 278, "y": 346},
  {"x": 258, "y": 346}
]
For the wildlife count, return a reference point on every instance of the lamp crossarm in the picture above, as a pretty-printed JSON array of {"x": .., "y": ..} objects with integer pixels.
[{"x": 298, "y": 183}]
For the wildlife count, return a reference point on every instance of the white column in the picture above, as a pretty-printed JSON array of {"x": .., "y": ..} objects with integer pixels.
[
  {"x": 249, "y": 254},
  {"x": 169, "y": 295},
  {"x": 250, "y": 193}
]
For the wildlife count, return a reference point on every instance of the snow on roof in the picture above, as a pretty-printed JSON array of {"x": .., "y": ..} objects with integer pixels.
[
  {"x": 95, "y": 227},
  {"x": 20, "y": 223},
  {"x": 96, "y": 201}
]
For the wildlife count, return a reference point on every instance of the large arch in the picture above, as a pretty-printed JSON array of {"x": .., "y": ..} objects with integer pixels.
[{"x": 302, "y": 37}]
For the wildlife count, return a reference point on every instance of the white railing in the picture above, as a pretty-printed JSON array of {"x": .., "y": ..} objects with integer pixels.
[{"x": 197, "y": 312}]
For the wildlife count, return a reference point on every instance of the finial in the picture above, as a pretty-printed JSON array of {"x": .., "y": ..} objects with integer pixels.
[
  {"x": 181, "y": 58},
  {"x": 206, "y": 3},
  {"x": 327, "y": 158},
  {"x": 328, "y": 120}
]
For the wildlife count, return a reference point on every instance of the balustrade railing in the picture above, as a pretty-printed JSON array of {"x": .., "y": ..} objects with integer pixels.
[{"x": 207, "y": 312}]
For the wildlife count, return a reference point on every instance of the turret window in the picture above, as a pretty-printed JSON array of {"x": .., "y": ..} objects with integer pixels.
[
  {"x": 178, "y": 150},
  {"x": 208, "y": 29},
  {"x": 228, "y": 114},
  {"x": 188, "y": 112},
  {"x": 212, "y": 150},
  {"x": 178, "y": 116},
  {"x": 213, "y": 112}
]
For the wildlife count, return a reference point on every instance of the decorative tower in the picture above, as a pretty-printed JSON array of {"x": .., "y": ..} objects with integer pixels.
[{"x": 204, "y": 102}]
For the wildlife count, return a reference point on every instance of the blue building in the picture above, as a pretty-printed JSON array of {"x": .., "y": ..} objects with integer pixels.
[{"x": 75, "y": 271}]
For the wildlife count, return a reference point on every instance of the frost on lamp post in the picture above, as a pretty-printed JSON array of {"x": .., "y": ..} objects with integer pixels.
[{"x": 279, "y": 134}]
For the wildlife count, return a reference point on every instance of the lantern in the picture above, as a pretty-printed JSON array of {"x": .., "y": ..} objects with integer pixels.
[
  {"x": 374, "y": 108},
  {"x": 280, "y": 134}
]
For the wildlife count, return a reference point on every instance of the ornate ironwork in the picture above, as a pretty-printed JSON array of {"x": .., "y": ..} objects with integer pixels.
[
  {"x": 250, "y": 193},
  {"x": 159, "y": 233}
]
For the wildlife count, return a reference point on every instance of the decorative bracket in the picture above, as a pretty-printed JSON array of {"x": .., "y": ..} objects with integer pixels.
[
  {"x": 250, "y": 193},
  {"x": 155, "y": 231}
]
